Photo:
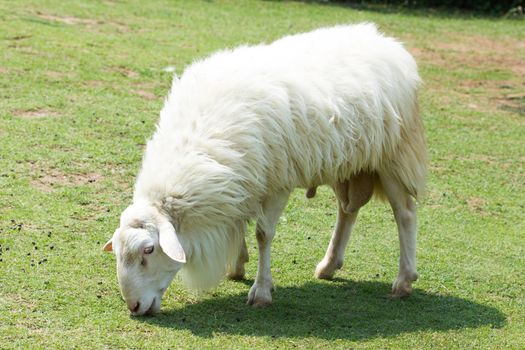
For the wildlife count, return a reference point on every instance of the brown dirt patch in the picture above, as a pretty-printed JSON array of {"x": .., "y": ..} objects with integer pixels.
[
  {"x": 35, "y": 113},
  {"x": 26, "y": 50},
  {"x": 477, "y": 204},
  {"x": 52, "y": 178},
  {"x": 429, "y": 55},
  {"x": 17, "y": 301},
  {"x": 95, "y": 83},
  {"x": 434, "y": 199},
  {"x": 145, "y": 94},
  {"x": 515, "y": 106},
  {"x": 476, "y": 53},
  {"x": 125, "y": 72},
  {"x": 58, "y": 75},
  {"x": 145, "y": 90},
  {"x": 68, "y": 19},
  {"x": 488, "y": 160},
  {"x": 88, "y": 22}
]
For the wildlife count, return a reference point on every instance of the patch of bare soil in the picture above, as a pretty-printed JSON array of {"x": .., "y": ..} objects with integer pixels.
[
  {"x": 475, "y": 51},
  {"x": 28, "y": 50},
  {"x": 35, "y": 113},
  {"x": 145, "y": 90},
  {"x": 54, "y": 75},
  {"x": 488, "y": 160},
  {"x": 68, "y": 19},
  {"x": 512, "y": 108},
  {"x": 88, "y": 22},
  {"x": 482, "y": 54},
  {"x": 126, "y": 72},
  {"x": 434, "y": 199},
  {"x": 16, "y": 299},
  {"x": 95, "y": 83},
  {"x": 145, "y": 94},
  {"x": 476, "y": 204},
  {"x": 52, "y": 178}
]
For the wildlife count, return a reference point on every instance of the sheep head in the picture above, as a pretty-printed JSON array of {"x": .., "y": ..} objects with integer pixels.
[{"x": 148, "y": 254}]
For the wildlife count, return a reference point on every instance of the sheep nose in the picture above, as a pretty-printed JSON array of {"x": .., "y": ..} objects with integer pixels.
[{"x": 133, "y": 306}]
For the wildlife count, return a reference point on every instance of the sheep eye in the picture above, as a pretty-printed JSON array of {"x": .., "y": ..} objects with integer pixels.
[{"x": 149, "y": 250}]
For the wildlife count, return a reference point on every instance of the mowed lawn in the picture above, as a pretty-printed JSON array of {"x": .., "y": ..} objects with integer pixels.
[{"x": 81, "y": 86}]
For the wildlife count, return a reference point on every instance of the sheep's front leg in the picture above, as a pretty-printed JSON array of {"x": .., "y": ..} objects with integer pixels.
[
  {"x": 352, "y": 195},
  {"x": 261, "y": 292},
  {"x": 333, "y": 259}
]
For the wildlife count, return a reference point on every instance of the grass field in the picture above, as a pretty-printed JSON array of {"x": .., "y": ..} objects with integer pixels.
[{"x": 81, "y": 86}]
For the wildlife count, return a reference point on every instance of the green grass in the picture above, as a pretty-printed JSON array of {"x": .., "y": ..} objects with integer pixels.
[{"x": 81, "y": 86}]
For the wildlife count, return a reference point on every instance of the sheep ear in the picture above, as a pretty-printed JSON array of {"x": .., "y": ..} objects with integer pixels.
[
  {"x": 169, "y": 242},
  {"x": 108, "y": 247}
]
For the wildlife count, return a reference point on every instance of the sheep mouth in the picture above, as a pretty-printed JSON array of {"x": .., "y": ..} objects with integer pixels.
[{"x": 152, "y": 309}]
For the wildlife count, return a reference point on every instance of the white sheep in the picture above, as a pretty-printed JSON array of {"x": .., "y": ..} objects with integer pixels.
[{"x": 242, "y": 129}]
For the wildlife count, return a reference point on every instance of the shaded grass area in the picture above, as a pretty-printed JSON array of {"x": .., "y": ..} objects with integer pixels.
[
  {"x": 344, "y": 312},
  {"x": 81, "y": 86},
  {"x": 463, "y": 9}
]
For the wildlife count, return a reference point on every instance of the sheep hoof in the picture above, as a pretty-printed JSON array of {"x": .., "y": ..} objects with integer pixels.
[
  {"x": 401, "y": 291},
  {"x": 262, "y": 303},
  {"x": 237, "y": 275},
  {"x": 325, "y": 270},
  {"x": 260, "y": 296},
  {"x": 237, "y": 272},
  {"x": 402, "y": 286}
]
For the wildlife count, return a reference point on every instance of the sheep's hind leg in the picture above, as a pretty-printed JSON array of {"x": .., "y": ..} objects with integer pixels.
[
  {"x": 261, "y": 292},
  {"x": 404, "y": 210},
  {"x": 237, "y": 272},
  {"x": 352, "y": 195}
]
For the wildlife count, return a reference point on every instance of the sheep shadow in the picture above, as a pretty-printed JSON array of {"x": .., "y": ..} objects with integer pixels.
[{"x": 338, "y": 310}]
